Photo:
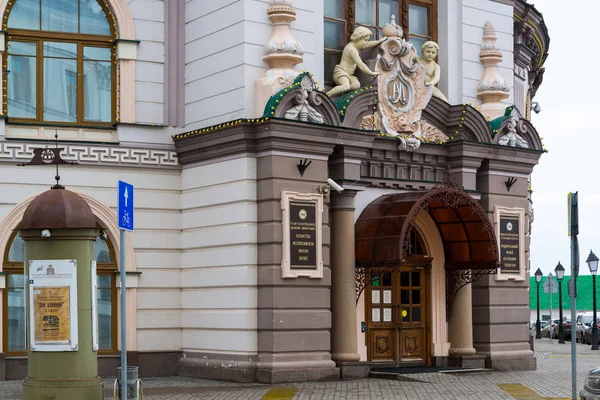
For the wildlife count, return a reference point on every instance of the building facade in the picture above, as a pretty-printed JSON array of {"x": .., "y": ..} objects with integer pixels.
[{"x": 214, "y": 112}]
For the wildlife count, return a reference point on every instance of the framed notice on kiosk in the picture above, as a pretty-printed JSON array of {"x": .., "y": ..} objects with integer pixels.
[
  {"x": 302, "y": 216},
  {"x": 53, "y": 305}
]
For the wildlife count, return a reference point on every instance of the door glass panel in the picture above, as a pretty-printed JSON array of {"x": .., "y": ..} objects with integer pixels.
[
  {"x": 416, "y": 296},
  {"x": 416, "y": 278},
  {"x": 375, "y": 281},
  {"x": 416, "y": 314},
  {"x": 387, "y": 280},
  {"x": 104, "y": 315},
  {"x": 375, "y": 296},
  {"x": 405, "y": 315},
  {"x": 405, "y": 296},
  {"x": 404, "y": 279}
]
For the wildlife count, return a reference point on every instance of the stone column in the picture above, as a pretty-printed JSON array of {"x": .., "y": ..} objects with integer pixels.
[
  {"x": 460, "y": 326},
  {"x": 343, "y": 282}
]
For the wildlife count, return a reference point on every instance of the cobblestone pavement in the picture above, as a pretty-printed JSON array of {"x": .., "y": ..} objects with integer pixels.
[{"x": 552, "y": 380}]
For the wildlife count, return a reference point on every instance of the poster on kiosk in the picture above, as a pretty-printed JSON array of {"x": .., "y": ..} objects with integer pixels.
[{"x": 53, "y": 300}]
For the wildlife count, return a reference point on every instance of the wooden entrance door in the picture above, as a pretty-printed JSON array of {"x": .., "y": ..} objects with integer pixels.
[{"x": 397, "y": 315}]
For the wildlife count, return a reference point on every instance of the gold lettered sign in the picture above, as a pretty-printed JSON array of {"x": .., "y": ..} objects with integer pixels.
[
  {"x": 52, "y": 315},
  {"x": 303, "y": 235},
  {"x": 509, "y": 244}
]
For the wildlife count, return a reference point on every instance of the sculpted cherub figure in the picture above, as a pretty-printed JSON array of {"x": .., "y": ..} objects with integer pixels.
[
  {"x": 344, "y": 71},
  {"x": 430, "y": 50}
]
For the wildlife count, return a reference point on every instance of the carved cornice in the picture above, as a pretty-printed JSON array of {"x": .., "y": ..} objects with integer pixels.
[
  {"x": 531, "y": 42},
  {"x": 118, "y": 156},
  {"x": 458, "y": 121}
]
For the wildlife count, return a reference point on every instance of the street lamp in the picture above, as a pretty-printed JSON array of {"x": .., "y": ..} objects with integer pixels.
[
  {"x": 538, "y": 325},
  {"x": 592, "y": 262},
  {"x": 560, "y": 274}
]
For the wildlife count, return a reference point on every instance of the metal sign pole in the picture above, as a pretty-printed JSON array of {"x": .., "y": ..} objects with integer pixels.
[
  {"x": 123, "y": 319},
  {"x": 573, "y": 232},
  {"x": 125, "y": 219},
  {"x": 550, "y": 286}
]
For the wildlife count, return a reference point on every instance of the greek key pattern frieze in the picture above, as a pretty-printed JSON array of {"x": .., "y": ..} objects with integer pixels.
[{"x": 17, "y": 152}]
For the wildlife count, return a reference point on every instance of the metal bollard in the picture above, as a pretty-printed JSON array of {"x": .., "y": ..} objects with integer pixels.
[{"x": 134, "y": 384}]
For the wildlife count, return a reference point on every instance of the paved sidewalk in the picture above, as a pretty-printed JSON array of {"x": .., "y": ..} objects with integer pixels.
[{"x": 552, "y": 380}]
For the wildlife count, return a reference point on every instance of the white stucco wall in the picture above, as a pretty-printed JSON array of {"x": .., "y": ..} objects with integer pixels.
[
  {"x": 148, "y": 18},
  {"x": 219, "y": 257},
  {"x": 224, "y": 48},
  {"x": 156, "y": 239}
]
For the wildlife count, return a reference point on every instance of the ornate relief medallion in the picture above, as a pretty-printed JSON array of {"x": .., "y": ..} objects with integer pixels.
[
  {"x": 381, "y": 344},
  {"x": 410, "y": 344}
]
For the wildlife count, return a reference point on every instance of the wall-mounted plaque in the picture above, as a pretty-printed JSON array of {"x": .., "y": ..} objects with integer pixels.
[
  {"x": 53, "y": 305},
  {"x": 509, "y": 244},
  {"x": 302, "y": 227}
]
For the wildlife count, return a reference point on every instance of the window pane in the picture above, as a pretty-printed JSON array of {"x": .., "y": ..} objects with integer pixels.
[
  {"x": 16, "y": 281},
  {"x": 16, "y": 316},
  {"x": 60, "y": 49},
  {"x": 416, "y": 297},
  {"x": 97, "y": 85},
  {"x": 22, "y": 48},
  {"x": 93, "y": 20},
  {"x": 21, "y": 87},
  {"x": 331, "y": 60},
  {"x": 96, "y": 53},
  {"x": 375, "y": 281},
  {"x": 60, "y": 90},
  {"x": 387, "y": 8},
  {"x": 418, "y": 43},
  {"x": 365, "y": 12},
  {"x": 25, "y": 14},
  {"x": 405, "y": 297},
  {"x": 60, "y": 15},
  {"x": 387, "y": 279},
  {"x": 101, "y": 251},
  {"x": 416, "y": 278},
  {"x": 16, "y": 253},
  {"x": 335, "y": 9},
  {"x": 416, "y": 314},
  {"x": 418, "y": 20},
  {"x": 104, "y": 281},
  {"x": 104, "y": 318},
  {"x": 404, "y": 276},
  {"x": 335, "y": 33}
]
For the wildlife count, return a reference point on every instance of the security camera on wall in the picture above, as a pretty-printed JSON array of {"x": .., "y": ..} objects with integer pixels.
[{"x": 334, "y": 185}]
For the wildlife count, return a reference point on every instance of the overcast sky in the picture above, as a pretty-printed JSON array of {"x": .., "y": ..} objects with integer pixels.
[{"x": 569, "y": 124}]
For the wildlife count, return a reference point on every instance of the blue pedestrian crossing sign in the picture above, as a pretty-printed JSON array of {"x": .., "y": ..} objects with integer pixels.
[{"x": 125, "y": 208}]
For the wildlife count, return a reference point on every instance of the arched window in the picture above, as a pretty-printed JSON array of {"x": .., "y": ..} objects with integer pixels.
[
  {"x": 13, "y": 302},
  {"x": 59, "y": 62},
  {"x": 418, "y": 18}
]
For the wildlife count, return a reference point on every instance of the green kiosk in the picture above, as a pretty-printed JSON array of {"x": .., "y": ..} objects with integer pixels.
[{"x": 59, "y": 230}]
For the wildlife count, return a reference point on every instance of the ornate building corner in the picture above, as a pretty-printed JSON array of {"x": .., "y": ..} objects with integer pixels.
[
  {"x": 282, "y": 53},
  {"x": 492, "y": 88}
]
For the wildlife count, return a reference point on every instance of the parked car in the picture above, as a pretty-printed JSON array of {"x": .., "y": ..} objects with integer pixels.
[
  {"x": 591, "y": 386},
  {"x": 566, "y": 329},
  {"x": 548, "y": 328},
  {"x": 584, "y": 321},
  {"x": 587, "y": 336}
]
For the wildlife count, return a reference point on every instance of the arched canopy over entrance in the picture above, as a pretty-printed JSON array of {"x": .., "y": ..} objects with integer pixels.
[{"x": 383, "y": 235}]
